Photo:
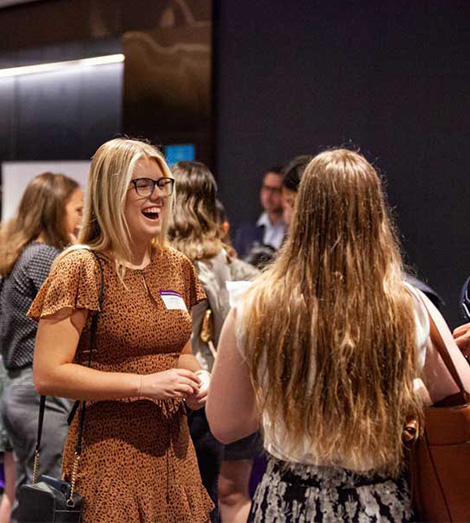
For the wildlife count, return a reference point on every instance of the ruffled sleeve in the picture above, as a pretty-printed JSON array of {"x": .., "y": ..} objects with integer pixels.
[
  {"x": 72, "y": 284},
  {"x": 194, "y": 290}
]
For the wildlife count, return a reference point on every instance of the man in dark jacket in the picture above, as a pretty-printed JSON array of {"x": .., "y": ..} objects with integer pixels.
[{"x": 270, "y": 227}]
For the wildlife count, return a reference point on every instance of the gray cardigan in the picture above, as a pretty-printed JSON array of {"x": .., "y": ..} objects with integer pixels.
[{"x": 214, "y": 273}]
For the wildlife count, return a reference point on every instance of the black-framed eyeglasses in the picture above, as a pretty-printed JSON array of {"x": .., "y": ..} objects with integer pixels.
[{"x": 146, "y": 186}]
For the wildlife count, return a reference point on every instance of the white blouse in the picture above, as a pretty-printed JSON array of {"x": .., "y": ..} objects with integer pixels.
[{"x": 276, "y": 434}]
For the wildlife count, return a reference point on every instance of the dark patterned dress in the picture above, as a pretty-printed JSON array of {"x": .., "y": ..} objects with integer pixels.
[
  {"x": 299, "y": 493},
  {"x": 138, "y": 462}
]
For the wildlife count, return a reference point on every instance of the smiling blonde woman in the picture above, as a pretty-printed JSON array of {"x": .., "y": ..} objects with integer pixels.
[{"x": 138, "y": 463}]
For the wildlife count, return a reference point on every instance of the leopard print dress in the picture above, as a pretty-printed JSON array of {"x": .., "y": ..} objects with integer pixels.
[{"x": 138, "y": 462}]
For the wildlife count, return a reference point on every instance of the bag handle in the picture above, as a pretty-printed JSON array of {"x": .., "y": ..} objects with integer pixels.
[
  {"x": 445, "y": 345},
  {"x": 42, "y": 405},
  {"x": 92, "y": 342}
]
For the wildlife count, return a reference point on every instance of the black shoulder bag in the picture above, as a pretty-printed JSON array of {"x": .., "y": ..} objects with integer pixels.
[{"x": 50, "y": 499}]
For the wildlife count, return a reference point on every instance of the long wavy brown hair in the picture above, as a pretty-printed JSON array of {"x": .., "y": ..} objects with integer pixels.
[
  {"x": 41, "y": 212},
  {"x": 330, "y": 326},
  {"x": 194, "y": 229}
]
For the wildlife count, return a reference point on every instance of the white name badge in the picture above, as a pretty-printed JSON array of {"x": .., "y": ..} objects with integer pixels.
[{"x": 173, "y": 301}]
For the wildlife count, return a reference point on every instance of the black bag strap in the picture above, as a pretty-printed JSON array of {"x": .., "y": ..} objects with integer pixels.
[
  {"x": 42, "y": 405},
  {"x": 92, "y": 343},
  {"x": 73, "y": 411}
]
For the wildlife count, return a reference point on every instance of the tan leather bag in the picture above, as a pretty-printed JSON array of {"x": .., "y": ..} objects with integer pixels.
[{"x": 440, "y": 459}]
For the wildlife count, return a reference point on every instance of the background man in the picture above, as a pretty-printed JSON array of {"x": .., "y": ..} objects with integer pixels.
[{"x": 270, "y": 227}]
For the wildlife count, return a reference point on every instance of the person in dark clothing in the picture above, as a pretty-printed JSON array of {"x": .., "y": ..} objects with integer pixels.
[
  {"x": 270, "y": 227},
  {"x": 48, "y": 217},
  {"x": 292, "y": 175}
]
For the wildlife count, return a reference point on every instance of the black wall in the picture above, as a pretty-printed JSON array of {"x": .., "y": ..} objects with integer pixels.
[
  {"x": 164, "y": 93},
  {"x": 62, "y": 115},
  {"x": 390, "y": 77}
]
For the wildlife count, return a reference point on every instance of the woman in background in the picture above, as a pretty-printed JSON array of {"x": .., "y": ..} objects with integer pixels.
[
  {"x": 322, "y": 352},
  {"x": 8, "y": 462},
  {"x": 47, "y": 220},
  {"x": 196, "y": 230},
  {"x": 292, "y": 175}
]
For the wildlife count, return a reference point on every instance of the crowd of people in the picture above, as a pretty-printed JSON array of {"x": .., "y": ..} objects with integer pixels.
[{"x": 298, "y": 347}]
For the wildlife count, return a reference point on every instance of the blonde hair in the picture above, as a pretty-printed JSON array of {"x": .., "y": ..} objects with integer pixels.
[
  {"x": 104, "y": 227},
  {"x": 330, "y": 327},
  {"x": 41, "y": 212},
  {"x": 194, "y": 229}
]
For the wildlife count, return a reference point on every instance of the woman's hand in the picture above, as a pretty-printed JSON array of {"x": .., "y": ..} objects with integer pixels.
[
  {"x": 172, "y": 383},
  {"x": 197, "y": 401},
  {"x": 462, "y": 338}
]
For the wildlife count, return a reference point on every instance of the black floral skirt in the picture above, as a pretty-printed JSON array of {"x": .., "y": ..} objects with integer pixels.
[{"x": 296, "y": 493}]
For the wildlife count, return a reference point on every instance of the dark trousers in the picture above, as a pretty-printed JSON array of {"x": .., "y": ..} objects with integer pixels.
[{"x": 209, "y": 454}]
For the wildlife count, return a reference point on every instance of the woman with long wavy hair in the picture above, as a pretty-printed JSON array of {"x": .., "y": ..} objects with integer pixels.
[
  {"x": 196, "y": 231},
  {"x": 48, "y": 217},
  {"x": 322, "y": 352}
]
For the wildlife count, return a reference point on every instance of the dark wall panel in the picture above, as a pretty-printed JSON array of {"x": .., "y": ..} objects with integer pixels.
[
  {"x": 390, "y": 77},
  {"x": 168, "y": 78},
  {"x": 166, "y": 96},
  {"x": 8, "y": 124},
  {"x": 50, "y": 22},
  {"x": 60, "y": 115}
]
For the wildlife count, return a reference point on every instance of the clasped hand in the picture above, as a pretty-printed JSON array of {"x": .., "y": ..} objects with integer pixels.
[{"x": 175, "y": 383}]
